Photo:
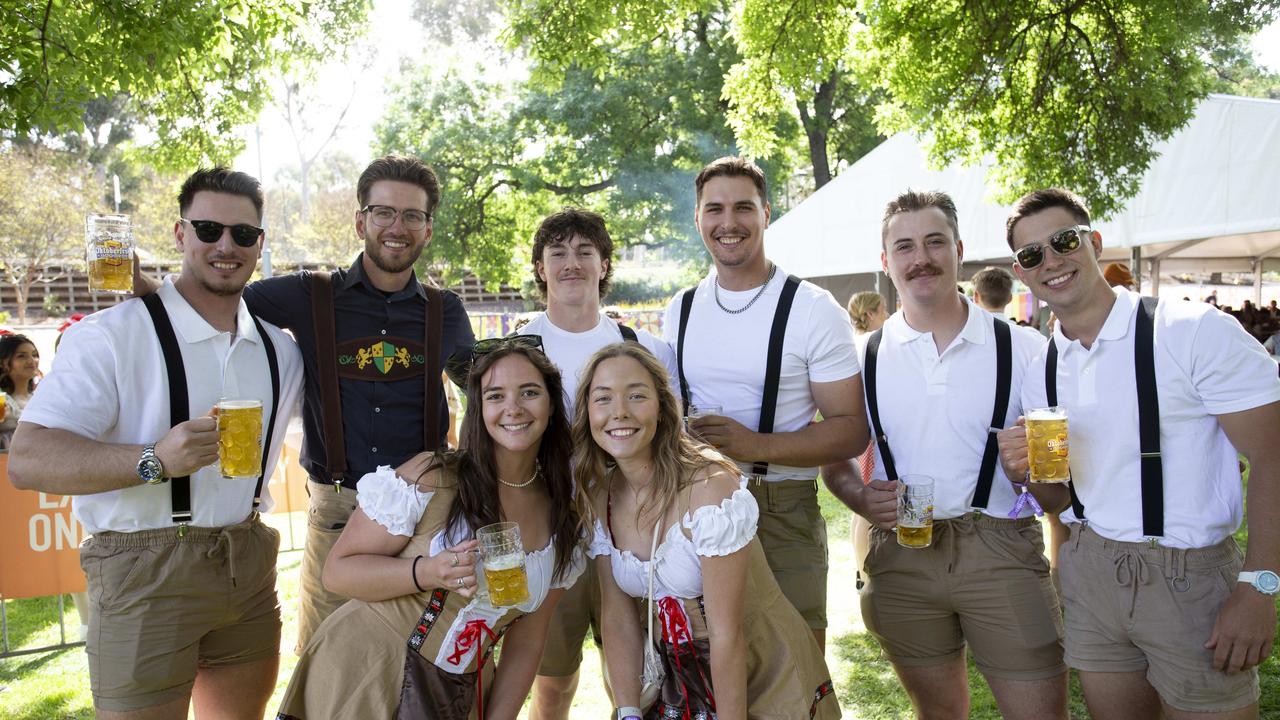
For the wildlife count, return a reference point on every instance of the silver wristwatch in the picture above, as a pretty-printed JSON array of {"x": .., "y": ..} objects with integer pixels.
[
  {"x": 150, "y": 470},
  {"x": 1264, "y": 581}
]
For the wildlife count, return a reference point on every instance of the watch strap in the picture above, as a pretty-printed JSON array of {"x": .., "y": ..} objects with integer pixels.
[
  {"x": 626, "y": 713},
  {"x": 1254, "y": 578}
]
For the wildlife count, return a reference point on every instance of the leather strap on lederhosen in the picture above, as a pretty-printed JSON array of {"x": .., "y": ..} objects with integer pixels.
[
  {"x": 322, "y": 315},
  {"x": 1000, "y": 408},
  {"x": 179, "y": 400},
  {"x": 773, "y": 361},
  {"x": 1152, "y": 467}
]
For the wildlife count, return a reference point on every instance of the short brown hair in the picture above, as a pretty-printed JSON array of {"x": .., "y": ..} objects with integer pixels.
[
  {"x": 916, "y": 200},
  {"x": 401, "y": 169},
  {"x": 994, "y": 285},
  {"x": 731, "y": 166},
  {"x": 220, "y": 180},
  {"x": 561, "y": 227},
  {"x": 1040, "y": 200}
]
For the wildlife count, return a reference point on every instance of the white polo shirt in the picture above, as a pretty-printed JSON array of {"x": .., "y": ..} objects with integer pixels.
[
  {"x": 725, "y": 354},
  {"x": 571, "y": 350},
  {"x": 109, "y": 384},
  {"x": 1206, "y": 365},
  {"x": 935, "y": 408}
]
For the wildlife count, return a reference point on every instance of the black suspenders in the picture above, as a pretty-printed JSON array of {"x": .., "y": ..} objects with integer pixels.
[
  {"x": 1144, "y": 365},
  {"x": 1004, "y": 381},
  {"x": 773, "y": 361},
  {"x": 179, "y": 400}
]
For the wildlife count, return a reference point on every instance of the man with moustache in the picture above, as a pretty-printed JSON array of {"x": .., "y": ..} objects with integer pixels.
[
  {"x": 940, "y": 375},
  {"x": 181, "y": 569},
  {"x": 363, "y": 333},
  {"x": 1161, "y": 397},
  {"x": 771, "y": 351},
  {"x": 572, "y": 268}
]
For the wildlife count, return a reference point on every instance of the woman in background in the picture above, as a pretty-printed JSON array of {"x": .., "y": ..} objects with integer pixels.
[
  {"x": 868, "y": 313},
  {"x": 19, "y": 371}
]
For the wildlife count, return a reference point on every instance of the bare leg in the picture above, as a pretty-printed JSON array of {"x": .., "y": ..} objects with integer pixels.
[
  {"x": 1244, "y": 713},
  {"x": 1031, "y": 699},
  {"x": 552, "y": 697},
  {"x": 175, "y": 710},
  {"x": 232, "y": 692},
  {"x": 938, "y": 692},
  {"x": 1120, "y": 696}
]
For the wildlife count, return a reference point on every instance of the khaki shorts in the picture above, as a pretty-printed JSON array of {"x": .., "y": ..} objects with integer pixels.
[
  {"x": 794, "y": 537},
  {"x": 984, "y": 581},
  {"x": 162, "y": 606},
  {"x": 327, "y": 516},
  {"x": 1131, "y": 607},
  {"x": 578, "y": 612}
]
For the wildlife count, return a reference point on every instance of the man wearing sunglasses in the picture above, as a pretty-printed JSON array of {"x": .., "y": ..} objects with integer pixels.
[
  {"x": 940, "y": 375},
  {"x": 1160, "y": 397},
  {"x": 181, "y": 570},
  {"x": 572, "y": 263}
]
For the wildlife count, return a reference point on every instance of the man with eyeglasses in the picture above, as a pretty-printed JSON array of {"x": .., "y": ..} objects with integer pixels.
[
  {"x": 941, "y": 377},
  {"x": 1160, "y": 397},
  {"x": 572, "y": 263},
  {"x": 373, "y": 394},
  {"x": 181, "y": 569}
]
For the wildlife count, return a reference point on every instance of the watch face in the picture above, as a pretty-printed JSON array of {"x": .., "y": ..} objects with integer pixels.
[
  {"x": 149, "y": 469},
  {"x": 1269, "y": 582}
]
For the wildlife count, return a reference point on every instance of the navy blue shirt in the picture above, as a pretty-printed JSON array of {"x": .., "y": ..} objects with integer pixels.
[{"x": 380, "y": 364}]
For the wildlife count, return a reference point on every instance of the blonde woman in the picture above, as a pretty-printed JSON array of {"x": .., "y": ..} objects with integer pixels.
[
  {"x": 731, "y": 643},
  {"x": 868, "y": 312}
]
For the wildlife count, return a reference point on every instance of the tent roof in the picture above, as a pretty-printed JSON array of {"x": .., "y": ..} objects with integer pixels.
[{"x": 1209, "y": 202}]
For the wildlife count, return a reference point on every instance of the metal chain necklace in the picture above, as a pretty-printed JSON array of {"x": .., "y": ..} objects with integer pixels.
[{"x": 773, "y": 270}]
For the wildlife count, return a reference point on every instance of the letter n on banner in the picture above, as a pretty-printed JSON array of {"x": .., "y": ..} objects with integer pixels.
[{"x": 39, "y": 542}]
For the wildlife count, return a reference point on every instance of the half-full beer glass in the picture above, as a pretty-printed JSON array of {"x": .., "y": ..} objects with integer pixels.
[
  {"x": 915, "y": 511},
  {"x": 240, "y": 438},
  {"x": 109, "y": 253},
  {"x": 1047, "y": 445},
  {"x": 502, "y": 555}
]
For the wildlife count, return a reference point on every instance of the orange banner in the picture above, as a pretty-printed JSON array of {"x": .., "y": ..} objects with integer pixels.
[{"x": 40, "y": 540}]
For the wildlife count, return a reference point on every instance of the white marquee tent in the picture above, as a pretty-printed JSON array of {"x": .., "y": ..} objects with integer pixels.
[{"x": 1209, "y": 203}]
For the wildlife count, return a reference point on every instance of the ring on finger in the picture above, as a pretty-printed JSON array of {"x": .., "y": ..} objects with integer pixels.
[
  {"x": 455, "y": 559},
  {"x": 460, "y": 583}
]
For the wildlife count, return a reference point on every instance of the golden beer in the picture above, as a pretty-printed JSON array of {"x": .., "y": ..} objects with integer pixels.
[
  {"x": 1047, "y": 445},
  {"x": 508, "y": 582},
  {"x": 109, "y": 253},
  {"x": 916, "y": 537},
  {"x": 240, "y": 438},
  {"x": 4, "y": 406}
]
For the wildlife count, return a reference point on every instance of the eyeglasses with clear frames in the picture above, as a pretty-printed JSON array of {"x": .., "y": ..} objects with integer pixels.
[{"x": 385, "y": 216}]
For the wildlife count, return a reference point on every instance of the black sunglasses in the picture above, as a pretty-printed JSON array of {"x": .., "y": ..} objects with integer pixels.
[
  {"x": 210, "y": 230},
  {"x": 1063, "y": 242},
  {"x": 488, "y": 345}
]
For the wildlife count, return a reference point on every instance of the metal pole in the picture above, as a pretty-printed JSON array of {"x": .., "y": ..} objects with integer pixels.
[
  {"x": 266, "y": 236},
  {"x": 1136, "y": 267},
  {"x": 1257, "y": 281}
]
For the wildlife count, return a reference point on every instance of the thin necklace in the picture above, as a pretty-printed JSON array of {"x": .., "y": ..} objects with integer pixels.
[
  {"x": 526, "y": 483},
  {"x": 773, "y": 269}
]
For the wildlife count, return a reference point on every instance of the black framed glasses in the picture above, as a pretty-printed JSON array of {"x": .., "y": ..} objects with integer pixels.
[
  {"x": 1063, "y": 242},
  {"x": 385, "y": 216},
  {"x": 488, "y": 345},
  {"x": 208, "y": 231}
]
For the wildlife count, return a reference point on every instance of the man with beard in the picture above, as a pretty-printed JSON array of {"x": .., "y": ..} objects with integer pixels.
[
  {"x": 181, "y": 569},
  {"x": 771, "y": 351},
  {"x": 942, "y": 376},
  {"x": 370, "y": 382}
]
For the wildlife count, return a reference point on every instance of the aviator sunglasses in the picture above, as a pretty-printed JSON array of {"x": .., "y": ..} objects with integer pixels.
[
  {"x": 209, "y": 231},
  {"x": 1063, "y": 242}
]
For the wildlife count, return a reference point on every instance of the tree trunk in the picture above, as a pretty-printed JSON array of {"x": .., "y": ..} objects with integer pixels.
[
  {"x": 22, "y": 289},
  {"x": 817, "y": 126}
]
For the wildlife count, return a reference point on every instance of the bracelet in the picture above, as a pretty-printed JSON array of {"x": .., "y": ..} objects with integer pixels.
[
  {"x": 414, "y": 572},
  {"x": 627, "y": 713}
]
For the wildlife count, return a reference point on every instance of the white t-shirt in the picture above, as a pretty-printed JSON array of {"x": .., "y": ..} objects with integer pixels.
[
  {"x": 725, "y": 355},
  {"x": 1206, "y": 365},
  {"x": 935, "y": 408},
  {"x": 571, "y": 350},
  {"x": 109, "y": 384}
]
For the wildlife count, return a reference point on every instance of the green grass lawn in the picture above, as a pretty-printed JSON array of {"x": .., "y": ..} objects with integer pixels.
[{"x": 56, "y": 684}]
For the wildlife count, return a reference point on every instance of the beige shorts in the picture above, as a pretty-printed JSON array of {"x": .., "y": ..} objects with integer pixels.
[
  {"x": 578, "y": 612},
  {"x": 328, "y": 514},
  {"x": 983, "y": 581},
  {"x": 794, "y": 537},
  {"x": 1131, "y": 607},
  {"x": 162, "y": 606}
]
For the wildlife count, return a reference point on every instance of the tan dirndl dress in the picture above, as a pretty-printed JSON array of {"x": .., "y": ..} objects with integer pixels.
[{"x": 374, "y": 660}]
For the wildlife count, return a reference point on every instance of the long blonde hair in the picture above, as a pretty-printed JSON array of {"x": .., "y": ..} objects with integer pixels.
[
  {"x": 676, "y": 455},
  {"x": 860, "y": 308}
]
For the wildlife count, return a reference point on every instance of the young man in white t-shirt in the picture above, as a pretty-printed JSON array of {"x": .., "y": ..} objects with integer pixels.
[
  {"x": 725, "y": 349},
  {"x": 572, "y": 267},
  {"x": 1160, "y": 620},
  {"x": 983, "y": 581},
  {"x": 181, "y": 569}
]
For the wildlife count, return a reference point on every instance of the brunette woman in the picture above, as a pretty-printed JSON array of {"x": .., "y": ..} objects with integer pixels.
[{"x": 19, "y": 370}]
